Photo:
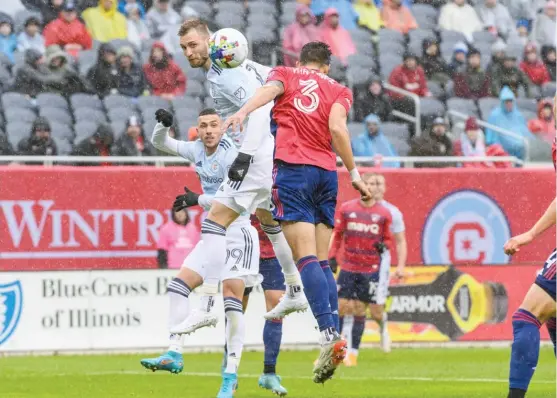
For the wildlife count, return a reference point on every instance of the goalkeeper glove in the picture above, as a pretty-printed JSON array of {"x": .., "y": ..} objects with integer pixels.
[
  {"x": 239, "y": 167},
  {"x": 186, "y": 200},
  {"x": 164, "y": 117}
]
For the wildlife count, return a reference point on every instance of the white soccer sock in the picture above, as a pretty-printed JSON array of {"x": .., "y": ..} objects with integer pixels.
[
  {"x": 284, "y": 257},
  {"x": 383, "y": 323},
  {"x": 347, "y": 329},
  {"x": 178, "y": 297},
  {"x": 235, "y": 333},
  {"x": 214, "y": 239}
]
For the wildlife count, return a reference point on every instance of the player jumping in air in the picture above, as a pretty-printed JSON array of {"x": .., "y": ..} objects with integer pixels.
[
  {"x": 352, "y": 327},
  {"x": 311, "y": 110},
  {"x": 230, "y": 89},
  {"x": 212, "y": 155},
  {"x": 363, "y": 229},
  {"x": 537, "y": 308}
]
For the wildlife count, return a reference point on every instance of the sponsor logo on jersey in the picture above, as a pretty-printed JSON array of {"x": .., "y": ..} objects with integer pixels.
[
  {"x": 465, "y": 227},
  {"x": 240, "y": 94},
  {"x": 11, "y": 303},
  {"x": 363, "y": 227},
  {"x": 211, "y": 180}
]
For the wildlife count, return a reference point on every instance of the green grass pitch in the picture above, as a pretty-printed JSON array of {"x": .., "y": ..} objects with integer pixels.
[{"x": 405, "y": 372}]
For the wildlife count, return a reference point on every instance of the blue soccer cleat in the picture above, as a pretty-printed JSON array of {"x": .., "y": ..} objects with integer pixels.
[
  {"x": 228, "y": 386},
  {"x": 271, "y": 382},
  {"x": 171, "y": 361}
]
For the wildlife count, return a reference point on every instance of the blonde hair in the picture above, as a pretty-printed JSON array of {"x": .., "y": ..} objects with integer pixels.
[{"x": 194, "y": 23}]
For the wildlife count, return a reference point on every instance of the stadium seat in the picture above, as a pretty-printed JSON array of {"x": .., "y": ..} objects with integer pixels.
[
  {"x": 528, "y": 115},
  {"x": 89, "y": 115},
  {"x": 419, "y": 35},
  {"x": 17, "y": 131},
  {"x": 262, "y": 7},
  {"x": 364, "y": 48},
  {"x": 431, "y": 107},
  {"x": 390, "y": 35},
  {"x": 231, "y": 6},
  {"x": 148, "y": 126},
  {"x": 359, "y": 75},
  {"x": 20, "y": 115},
  {"x": 462, "y": 105},
  {"x": 121, "y": 114},
  {"x": 203, "y": 8},
  {"x": 387, "y": 63},
  {"x": 548, "y": 90},
  {"x": 260, "y": 34},
  {"x": 527, "y": 104},
  {"x": 486, "y": 105},
  {"x": 264, "y": 20},
  {"x": 483, "y": 35},
  {"x": 56, "y": 115},
  {"x": 361, "y": 61},
  {"x": 393, "y": 47},
  {"x": 118, "y": 128},
  {"x": 227, "y": 19},
  {"x": 86, "y": 60},
  {"x": 117, "y": 101},
  {"x": 516, "y": 50},
  {"x": 189, "y": 103},
  {"x": 401, "y": 147},
  {"x": 80, "y": 100},
  {"x": 360, "y": 35},
  {"x": 119, "y": 43},
  {"x": 395, "y": 130},
  {"x": 51, "y": 100},
  {"x": 84, "y": 129},
  {"x": 356, "y": 129},
  {"x": 22, "y": 16},
  {"x": 436, "y": 89},
  {"x": 540, "y": 151},
  {"x": 451, "y": 36},
  {"x": 152, "y": 101},
  {"x": 195, "y": 89},
  {"x": 63, "y": 146},
  {"x": 337, "y": 70},
  {"x": 62, "y": 130},
  {"x": 16, "y": 100}
]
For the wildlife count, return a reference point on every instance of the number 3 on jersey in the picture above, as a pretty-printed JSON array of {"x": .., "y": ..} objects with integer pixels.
[{"x": 308, "y": 91}]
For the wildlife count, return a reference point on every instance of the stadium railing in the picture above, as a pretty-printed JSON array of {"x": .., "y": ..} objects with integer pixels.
[
  {"x": 499, "y": 130},
  {"x": 416, "y": 119},
  {"x": 162, "y": 161}
]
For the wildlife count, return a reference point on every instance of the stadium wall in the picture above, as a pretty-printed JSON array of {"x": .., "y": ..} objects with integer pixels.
[
  {"x": 108, "y": 217},
  {"x": 56, "y": 311}
]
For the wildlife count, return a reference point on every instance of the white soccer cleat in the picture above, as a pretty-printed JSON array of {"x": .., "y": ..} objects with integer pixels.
[
  {"x": 288, "y": 305},
  {"x": 196, "y": 320},
  {"x": 385, "y": 340},
  {"x": 331, "y": 356}
]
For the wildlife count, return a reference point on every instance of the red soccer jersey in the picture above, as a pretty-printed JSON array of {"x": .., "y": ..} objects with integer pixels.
[
  {"x": 358, "y": 229},
  {"x": 302, "y": 116},
  {"x": 266, "y": 250}
]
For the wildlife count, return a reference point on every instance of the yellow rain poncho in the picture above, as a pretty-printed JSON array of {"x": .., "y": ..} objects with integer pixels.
[{"x": 105, "y": 25}]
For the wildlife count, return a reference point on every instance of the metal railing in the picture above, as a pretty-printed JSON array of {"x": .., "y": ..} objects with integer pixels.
[
  {"x": 416, "y": 119},
  {"x": 499, "y": 130},
  {"x": 162, "y": 161}
]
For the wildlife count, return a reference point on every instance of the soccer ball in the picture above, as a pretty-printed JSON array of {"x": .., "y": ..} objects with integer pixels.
[{"x": 228, "y": 48}]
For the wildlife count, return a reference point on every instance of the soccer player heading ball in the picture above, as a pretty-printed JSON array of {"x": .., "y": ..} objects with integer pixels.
[{"x": 311, "y": 111}]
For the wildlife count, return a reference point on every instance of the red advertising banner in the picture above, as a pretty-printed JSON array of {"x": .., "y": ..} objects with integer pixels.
[
  {"x": 108, "y": 217},
  {"x": 445, "y": 303}
]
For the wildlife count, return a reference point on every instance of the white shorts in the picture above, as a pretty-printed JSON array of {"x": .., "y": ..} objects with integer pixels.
[
  {"x": 242, "y": 256},
  {"x": 382, "y": 288},
  {"x": 255, "y": 189}
]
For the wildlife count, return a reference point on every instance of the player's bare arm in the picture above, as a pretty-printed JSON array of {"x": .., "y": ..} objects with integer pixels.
[
  {"x": 262, "y": 97},
  {"x": 546, "y": 221},
  {"x": 401, "y": 253},
  {"x": 341, "y": 143}
]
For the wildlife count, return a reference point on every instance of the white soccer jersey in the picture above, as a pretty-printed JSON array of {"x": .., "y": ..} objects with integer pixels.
[
  {"x": 397, "y": 225},
  {"x": 230, "y": 89}
]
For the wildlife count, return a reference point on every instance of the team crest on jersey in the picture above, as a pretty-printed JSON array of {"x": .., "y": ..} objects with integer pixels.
[
  {"x": 375, "y": 217},
  {"x": 465, "y": 227},
  {"x": 11, "y": 303},
  {"x": 215, "y": 166},
  {"x": 352, "y": 215},
  {"x": 240, "y": 94}
]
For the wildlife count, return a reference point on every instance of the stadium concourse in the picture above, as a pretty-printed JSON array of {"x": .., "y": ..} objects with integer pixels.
[{"x": 78, "y": 72}]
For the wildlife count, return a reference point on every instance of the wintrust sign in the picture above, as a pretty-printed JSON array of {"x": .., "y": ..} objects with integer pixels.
[{"x": 42, "y": 230}]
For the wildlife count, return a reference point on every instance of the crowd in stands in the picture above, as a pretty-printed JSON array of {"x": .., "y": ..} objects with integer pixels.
[{"x": 493, "y": 60}]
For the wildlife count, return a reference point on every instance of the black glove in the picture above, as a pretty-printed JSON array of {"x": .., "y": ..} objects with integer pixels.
[
  {"x": 333, "y": 264},
  {"x": 186, "y": 200},
  {"x": 239, "y": 167},
  {"x": 380, "y": 247},
  {"x": 164, "y": 117}
]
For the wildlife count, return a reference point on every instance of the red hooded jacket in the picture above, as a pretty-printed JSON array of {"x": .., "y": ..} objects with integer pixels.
[
  {"x": 536, "y": 71},
  {"x": 409, "y": 80},
  {"x": 166, "y": 78},
  {"x": 544, "y": 128},
  {"x": 62, "y": 33}
]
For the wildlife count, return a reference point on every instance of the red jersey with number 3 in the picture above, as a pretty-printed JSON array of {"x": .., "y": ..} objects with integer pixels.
[
  {"x": 302, "y": 116},
  {"x": 357, "y": 230}
]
